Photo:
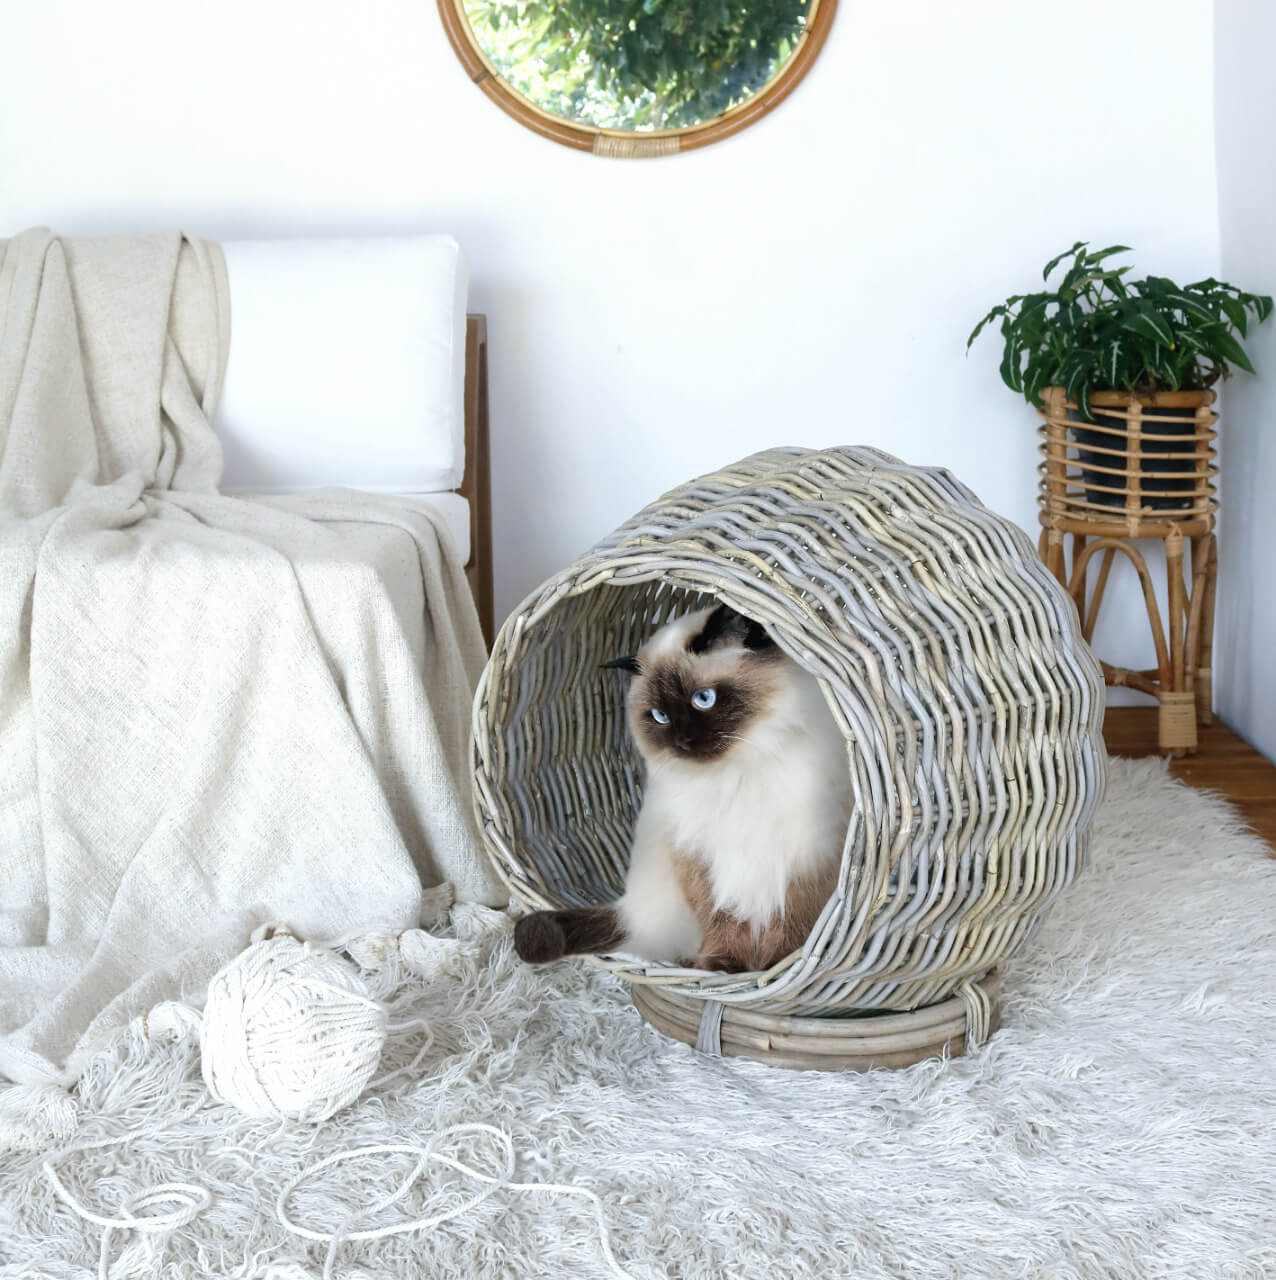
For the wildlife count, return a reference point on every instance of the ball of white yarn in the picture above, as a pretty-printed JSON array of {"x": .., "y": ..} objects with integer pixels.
[{"x": 289, "y": 1032}]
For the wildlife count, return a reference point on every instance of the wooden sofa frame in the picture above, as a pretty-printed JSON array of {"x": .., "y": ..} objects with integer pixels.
[{"x": 476, "y": 485}]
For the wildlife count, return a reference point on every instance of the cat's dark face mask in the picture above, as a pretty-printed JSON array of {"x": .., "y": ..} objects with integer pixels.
[
  {"x": 684, "y": 706},
  {"x": 679, "y": 713}
]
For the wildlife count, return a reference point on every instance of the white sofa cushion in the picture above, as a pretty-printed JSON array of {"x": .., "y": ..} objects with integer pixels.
[{"x": 346, "y": 365}]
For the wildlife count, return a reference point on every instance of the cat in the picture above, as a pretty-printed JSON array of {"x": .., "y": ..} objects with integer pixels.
[{"x": 738, "y": 843}]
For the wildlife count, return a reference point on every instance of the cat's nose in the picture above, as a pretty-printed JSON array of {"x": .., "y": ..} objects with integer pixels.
[{"x": 682, "y": 741}]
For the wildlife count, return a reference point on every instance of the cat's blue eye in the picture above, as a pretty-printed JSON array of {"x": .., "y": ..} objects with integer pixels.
[
  {"x": 703, "y": 699},
  {"x": 659, "y": 716}
]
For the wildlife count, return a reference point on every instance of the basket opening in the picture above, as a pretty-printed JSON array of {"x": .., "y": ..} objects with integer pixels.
[{"x": 568, "y": 742}]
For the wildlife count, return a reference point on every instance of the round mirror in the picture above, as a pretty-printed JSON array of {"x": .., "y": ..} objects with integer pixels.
[{"x": 636, "y": 77}]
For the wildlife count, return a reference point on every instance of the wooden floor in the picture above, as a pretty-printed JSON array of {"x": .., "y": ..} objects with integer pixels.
[{"x": 1225, "y": 762}]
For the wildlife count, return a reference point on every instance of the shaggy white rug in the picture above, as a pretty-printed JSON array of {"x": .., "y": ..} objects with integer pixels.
[{"x": 1122, "y": 1123}]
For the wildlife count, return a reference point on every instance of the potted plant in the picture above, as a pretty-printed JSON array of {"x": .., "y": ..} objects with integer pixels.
[{"x": 1107, "y": 342}]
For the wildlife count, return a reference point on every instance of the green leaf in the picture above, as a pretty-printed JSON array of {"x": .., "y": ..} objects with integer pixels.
[
  {"x": 1010, "y": 373},
  {"x": 1110, "y": 363},
  {"x": 1235, "y": 312},
  {"x": 1078, "y": 276},
  {"x": 1032, "y": 319},
  {"x": 1083, "y": 402},
  {"x": 1147, "y": 324},
  {"x": 1109, "y": 251},
  {"x": 1070, "y": 316},
  {"x": 1054, "y": 262},
  {"x": 1165, "y": 370},
  {"x": 979, "y": 328},
  {"x": 1076, "y": 372},
  {"x": 1227, "y": 347},
  {"x": 1186, "y": 303},
  {"x": 1037, "y": 376}
]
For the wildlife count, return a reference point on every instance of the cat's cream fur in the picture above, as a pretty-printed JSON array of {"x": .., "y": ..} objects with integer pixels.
[
  {"x": 771, "y": 811},
  {"x": 739, "y": 839}
]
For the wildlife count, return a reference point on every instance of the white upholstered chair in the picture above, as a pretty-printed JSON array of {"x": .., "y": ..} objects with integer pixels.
[{"x": 352, "y": 362}]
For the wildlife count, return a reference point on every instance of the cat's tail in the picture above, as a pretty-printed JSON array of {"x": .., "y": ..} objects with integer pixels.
[{"x": 551, "y": 935}]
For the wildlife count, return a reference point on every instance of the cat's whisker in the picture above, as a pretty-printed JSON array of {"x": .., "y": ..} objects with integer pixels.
[{"x": 748, "y": 742}]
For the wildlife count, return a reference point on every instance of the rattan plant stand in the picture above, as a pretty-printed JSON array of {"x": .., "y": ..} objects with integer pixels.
[
  {"x": 953, "y": 663},
  {"x": 1145, "y": 468}
]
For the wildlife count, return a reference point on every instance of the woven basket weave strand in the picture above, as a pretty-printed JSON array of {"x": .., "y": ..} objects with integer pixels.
[{"x": 951, "y": 660}]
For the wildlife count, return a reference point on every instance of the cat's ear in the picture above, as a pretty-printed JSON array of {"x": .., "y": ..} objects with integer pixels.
[
  {"x": 724, "y": 626},
  {"x": 629, "y": 664}
]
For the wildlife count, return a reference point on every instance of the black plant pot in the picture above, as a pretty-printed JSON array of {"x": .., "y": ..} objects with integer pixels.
[{"x": 1165, "y": 475}]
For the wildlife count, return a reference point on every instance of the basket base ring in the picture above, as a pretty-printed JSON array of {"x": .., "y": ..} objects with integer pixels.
[{"x": 852, "y": 1043}]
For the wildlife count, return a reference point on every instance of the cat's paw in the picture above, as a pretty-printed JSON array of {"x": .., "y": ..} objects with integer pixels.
[
  {"x": 540, "y": 938},
  {"x": 719, "y": 962}
]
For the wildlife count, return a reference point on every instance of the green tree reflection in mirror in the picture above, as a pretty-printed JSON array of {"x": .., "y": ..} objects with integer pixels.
[{"x": 637, "y": 64}]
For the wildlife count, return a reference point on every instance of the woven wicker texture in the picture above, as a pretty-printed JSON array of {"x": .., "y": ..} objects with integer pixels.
[
  {"x": 1141, "y": 467},
  {"x": 951, "y": 660}
]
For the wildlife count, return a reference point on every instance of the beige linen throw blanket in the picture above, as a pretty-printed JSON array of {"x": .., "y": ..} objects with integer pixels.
[{"x": 213, "y": 712}]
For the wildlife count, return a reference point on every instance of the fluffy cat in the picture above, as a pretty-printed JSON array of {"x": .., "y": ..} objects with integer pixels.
[{"x": 738, "y": 843}]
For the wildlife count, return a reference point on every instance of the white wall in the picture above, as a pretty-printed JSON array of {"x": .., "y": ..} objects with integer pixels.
[
  {"x": 811, "y": 280},
  {"x": 1245, "y": 641}
]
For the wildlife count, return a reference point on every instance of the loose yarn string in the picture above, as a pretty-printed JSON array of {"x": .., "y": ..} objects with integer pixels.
[
  {"x": 189, "y": 1202},
  {"x": 288, "y": 1032},
  {"x": 427, "y": 1155}
]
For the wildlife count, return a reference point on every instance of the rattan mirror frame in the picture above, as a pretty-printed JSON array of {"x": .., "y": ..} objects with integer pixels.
[{"x": 627, "y": 143}]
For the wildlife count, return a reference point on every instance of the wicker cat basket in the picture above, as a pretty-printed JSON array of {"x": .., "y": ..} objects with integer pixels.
[{"x": 953, "y": 663}]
